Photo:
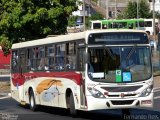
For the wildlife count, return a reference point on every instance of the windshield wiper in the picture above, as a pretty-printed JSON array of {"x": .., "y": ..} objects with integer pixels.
[
  {"x": 112, "y": 56},
  {"x": 131, "y": 52}
]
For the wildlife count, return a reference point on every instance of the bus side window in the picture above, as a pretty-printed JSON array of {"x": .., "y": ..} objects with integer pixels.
[
  {"x": 148, "y": 23},
  {"x": 49, "y": 57},
  {"x": 130, "y": 26},
  {"x": 41, "y": 59},
  {"x": 60, "y": 57},
  {"x": 71, "y": 56}
]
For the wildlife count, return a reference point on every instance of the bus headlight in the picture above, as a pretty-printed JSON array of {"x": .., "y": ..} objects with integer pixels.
[
  {"x": 95, "y": 93},
  {"x": 147, "y": 91}
]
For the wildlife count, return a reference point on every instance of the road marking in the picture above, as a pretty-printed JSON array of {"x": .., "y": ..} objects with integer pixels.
[
  {"x": 5, "y": 97},
  {"x": 157, "y": 97},
  {"x": 156, "y": 90}
]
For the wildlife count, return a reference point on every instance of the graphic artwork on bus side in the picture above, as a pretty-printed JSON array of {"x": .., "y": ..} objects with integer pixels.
[{"x": 48, "y": 89}]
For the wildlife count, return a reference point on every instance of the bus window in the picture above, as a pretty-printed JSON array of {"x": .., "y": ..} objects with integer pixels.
[
  {"x": 35, "y": 55},
  {"x": 50, "y": 52},
  {"x": 130, "y": 25},
  {"x": 141, "y": 24},
  {"x": 110, "y": 25},
  {"x": 148, "y": 23},
  {"x": 71, "y": 56},
  {"x": 104, "y": 26},
  {"x": 41, "y": 59},
  {"x": 28, "y": 61},
  {"x": 96, "y": 25},
  {"x": 33, "y": 58},
  {"x": 122, "y": 25},
  {"x": 60, "y": 56},
  {"x": 115, "y": 25}
]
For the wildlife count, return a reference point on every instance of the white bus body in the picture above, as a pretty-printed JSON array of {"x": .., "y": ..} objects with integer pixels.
[{"x": 73, "y": 86}]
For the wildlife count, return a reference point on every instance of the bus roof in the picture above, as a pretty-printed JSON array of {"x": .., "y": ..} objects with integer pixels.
[
  {"x": 48, "y": 40},
  {"x": 123, "y": 20},
  {"x": 65, "y": 38}
]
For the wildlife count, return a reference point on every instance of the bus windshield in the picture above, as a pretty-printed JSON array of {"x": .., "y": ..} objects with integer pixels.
[{"x": 119, "y": 64}]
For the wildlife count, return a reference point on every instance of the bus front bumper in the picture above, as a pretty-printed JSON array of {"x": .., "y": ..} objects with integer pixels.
[{"x": 119, "y": 103}]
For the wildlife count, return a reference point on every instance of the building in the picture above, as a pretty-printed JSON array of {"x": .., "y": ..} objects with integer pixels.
[
  {"x": 157, "y": 5},
  {"x": 114, "y": 7},
  {"x": 80, "y": 13},
  {"x": 4, "y": 60}
]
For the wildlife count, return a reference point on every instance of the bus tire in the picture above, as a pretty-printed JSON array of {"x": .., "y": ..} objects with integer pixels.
[
  {"x": 32, "y": 102},
  {"x": 72, "y": 109}
]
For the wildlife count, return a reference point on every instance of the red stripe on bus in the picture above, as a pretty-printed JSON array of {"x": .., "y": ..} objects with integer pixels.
[{"x": 19, "y": 79}]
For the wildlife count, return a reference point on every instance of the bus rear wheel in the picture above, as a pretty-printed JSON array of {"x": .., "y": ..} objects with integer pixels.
[
  {"x": 32, "y": 102},
  {"x": 72, "y": 109}
]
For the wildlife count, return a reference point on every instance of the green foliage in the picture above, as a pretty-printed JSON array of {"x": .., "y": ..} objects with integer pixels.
[
  {"x": 131, "y": 11},
  {"x": 5, "y": 44},
  {"x": 144, "y": 9},
  {"x": 32, "y": 19},
  {"x": 96, "y": 16},
  {"x": 72, "y": 20}
]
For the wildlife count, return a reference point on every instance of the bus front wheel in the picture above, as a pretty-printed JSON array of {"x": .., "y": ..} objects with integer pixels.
[
  {"x": 72, "y": 109},
  {"x": 32, "y": 102}
]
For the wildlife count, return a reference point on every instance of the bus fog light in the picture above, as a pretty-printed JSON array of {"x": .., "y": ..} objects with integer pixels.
[
  {"x": 95, "y": 93},
  {"x": 147, "y": 91}
]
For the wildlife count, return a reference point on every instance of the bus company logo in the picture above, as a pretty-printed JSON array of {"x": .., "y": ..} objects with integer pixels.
[{"x": 122, "y": 95}]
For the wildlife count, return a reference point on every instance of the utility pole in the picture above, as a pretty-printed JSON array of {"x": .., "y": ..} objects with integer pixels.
[
  {"x": 138, "y": 13},
  {"x": 84, "y": 15},
  {"x": 115, "y": 9},
  {"x": 89, "y": 8},
  {"x": 107, "y": 9},
  {"x": 154, "y": 32}
]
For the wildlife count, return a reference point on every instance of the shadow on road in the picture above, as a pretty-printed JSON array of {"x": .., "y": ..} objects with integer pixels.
[
  {"x": 136, "y": 114},
  {"x": 50, "y": 113}
]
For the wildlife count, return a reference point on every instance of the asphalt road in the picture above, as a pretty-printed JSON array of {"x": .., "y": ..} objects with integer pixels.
[{"x": 9, "y": 108}]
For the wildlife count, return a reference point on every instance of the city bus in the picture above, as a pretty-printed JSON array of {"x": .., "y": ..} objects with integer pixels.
[
  {"x": 141, "y": 24},
  {"x": 90, "y": 70}
]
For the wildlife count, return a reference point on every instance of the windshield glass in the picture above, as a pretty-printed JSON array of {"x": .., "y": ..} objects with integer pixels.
[{"x": 119, "y": 64}]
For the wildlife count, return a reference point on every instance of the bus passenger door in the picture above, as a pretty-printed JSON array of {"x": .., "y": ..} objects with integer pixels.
[
  {"x": 81, "y": 61},
  {"x": 21, "y": 77},
  {"x": 15, "y": 75}
]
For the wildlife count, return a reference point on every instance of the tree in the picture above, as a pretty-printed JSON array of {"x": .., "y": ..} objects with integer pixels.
[
  {"x": 5, "y": 44},
  {"x": 131, "y": 11},
  {"x": 72, "y": 20},
  {"x": 32, "y": 19}
]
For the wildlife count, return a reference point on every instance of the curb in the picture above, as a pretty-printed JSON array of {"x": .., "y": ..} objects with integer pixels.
[
  {"x": 4, "y": 94},
  {"x": 5, "y": 97}
]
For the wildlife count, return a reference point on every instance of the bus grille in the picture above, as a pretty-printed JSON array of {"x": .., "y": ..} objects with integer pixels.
[
  {"x": 125, "y": 95},
  {"x": 124, "y": 102},
  {"x": 122, "y": 89}
]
